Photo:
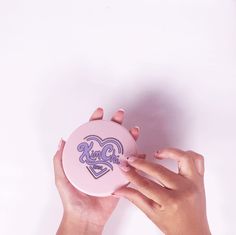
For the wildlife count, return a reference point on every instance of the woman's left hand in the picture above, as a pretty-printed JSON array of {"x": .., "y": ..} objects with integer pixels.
[{"x": 84, "y": 214}]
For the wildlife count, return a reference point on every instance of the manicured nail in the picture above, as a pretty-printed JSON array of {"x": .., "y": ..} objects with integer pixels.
[
  {"x": 124, "y": 168},
  {"x": 121, "y": 110},
  {"x": 129, "y": 155},
  {"x": 60, "y": 144},
  {"x": 138, "y": 156},
  {"x": 132, "y": 159},
  {"x": 156, "y": 154},
  {"x": 114, "y": 195}
]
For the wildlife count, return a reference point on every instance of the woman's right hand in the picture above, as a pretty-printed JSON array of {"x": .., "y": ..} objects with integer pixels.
[{"x": 177, "y": 206}]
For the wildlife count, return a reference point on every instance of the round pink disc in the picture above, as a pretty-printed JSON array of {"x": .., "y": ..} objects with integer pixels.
[{"x": 92, "y": 155}]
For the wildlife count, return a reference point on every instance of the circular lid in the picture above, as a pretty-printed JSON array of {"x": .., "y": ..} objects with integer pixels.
[{"x": 92, "y": 154}]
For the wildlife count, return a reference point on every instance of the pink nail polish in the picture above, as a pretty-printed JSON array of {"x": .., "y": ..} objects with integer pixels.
[
  {"x": 114, "y": 195},
  {"x": 156, "y": 154},
  {"x": 121, "y": 110},
  {"x": 128, "y": 156},
  {"x": 124, "y": 168},
  {"x": 131, "y": 159}
]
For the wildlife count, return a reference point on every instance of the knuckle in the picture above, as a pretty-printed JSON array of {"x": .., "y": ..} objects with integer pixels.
[
  {"x": 200, "y": 157},
  {"x": 195, "y": 155},
  {"x": 172, "y": 199},
  {"x": 188, "y": 154},
  {"x": 175, "y": 206},
  {"x": 191, "y": 192},
  {"x": 174, "y": 202}
]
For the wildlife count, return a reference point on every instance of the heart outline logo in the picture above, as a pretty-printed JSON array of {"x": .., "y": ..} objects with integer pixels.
[{"x": 99, "y": 154}]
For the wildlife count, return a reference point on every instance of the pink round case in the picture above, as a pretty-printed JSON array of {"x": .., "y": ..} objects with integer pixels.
[{"x": 92, "y": 155}]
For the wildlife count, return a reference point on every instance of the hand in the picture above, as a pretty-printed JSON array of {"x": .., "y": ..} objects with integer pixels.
[
  {"x": 84, "y": 214},
  {"x": 177, "y": 203}
]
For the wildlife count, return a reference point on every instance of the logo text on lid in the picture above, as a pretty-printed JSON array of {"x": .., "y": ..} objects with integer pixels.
[{"x": 99, "y": 154}]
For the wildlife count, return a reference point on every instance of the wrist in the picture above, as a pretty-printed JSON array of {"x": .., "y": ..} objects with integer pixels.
[{"x": 74, "y": 225}]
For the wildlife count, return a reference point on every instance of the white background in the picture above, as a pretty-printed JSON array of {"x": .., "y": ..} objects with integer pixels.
[{"x": 170, "y": 63}]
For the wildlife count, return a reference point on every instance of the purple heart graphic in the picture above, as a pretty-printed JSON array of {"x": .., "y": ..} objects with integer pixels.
[{"x": 100, "y": 162}]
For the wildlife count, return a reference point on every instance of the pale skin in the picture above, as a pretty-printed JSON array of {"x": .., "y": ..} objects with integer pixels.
[
  {"x": 176, "y": 204},
  {"x": 84, "y": 214}
]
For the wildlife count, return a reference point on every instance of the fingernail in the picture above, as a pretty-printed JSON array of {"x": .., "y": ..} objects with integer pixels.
[
  {"x": 114, "y": 195},
  {"x": 137, "y": 127},
  {"x": 121, "y": 110},
  {"x": 124, "y": 168},
  {"x": 156, "y": 154},
  {"x": 131, "y": 159},
  {"x": 136, "y": 156},
  {"x": 129, "y": 155},
  {"x": 100, "y": 108},
  {"x": 60, "y": 144}
]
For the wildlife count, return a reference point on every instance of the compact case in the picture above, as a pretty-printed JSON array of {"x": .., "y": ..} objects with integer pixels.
[{"x": 92, "y": 155}]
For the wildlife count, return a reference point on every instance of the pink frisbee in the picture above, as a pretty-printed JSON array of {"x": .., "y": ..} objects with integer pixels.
[{"x": 92, "y": 155}]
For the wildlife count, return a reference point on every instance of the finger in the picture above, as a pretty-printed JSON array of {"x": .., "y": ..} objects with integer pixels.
[
  {"x": 135, "y": 132},
  {"x": 199, "y": 161},
  {"x": 138, "y": 199},
  {"x": 167, "y": 178},
  {"x": 185, "y": 162},
  {"x": 147, "y": 187},
  {"x": 97, "y": 114},
  {"x": 57, "y": 162},
  {"x": 126, "y": 157},
  {"x": 118, "y": 116}
]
